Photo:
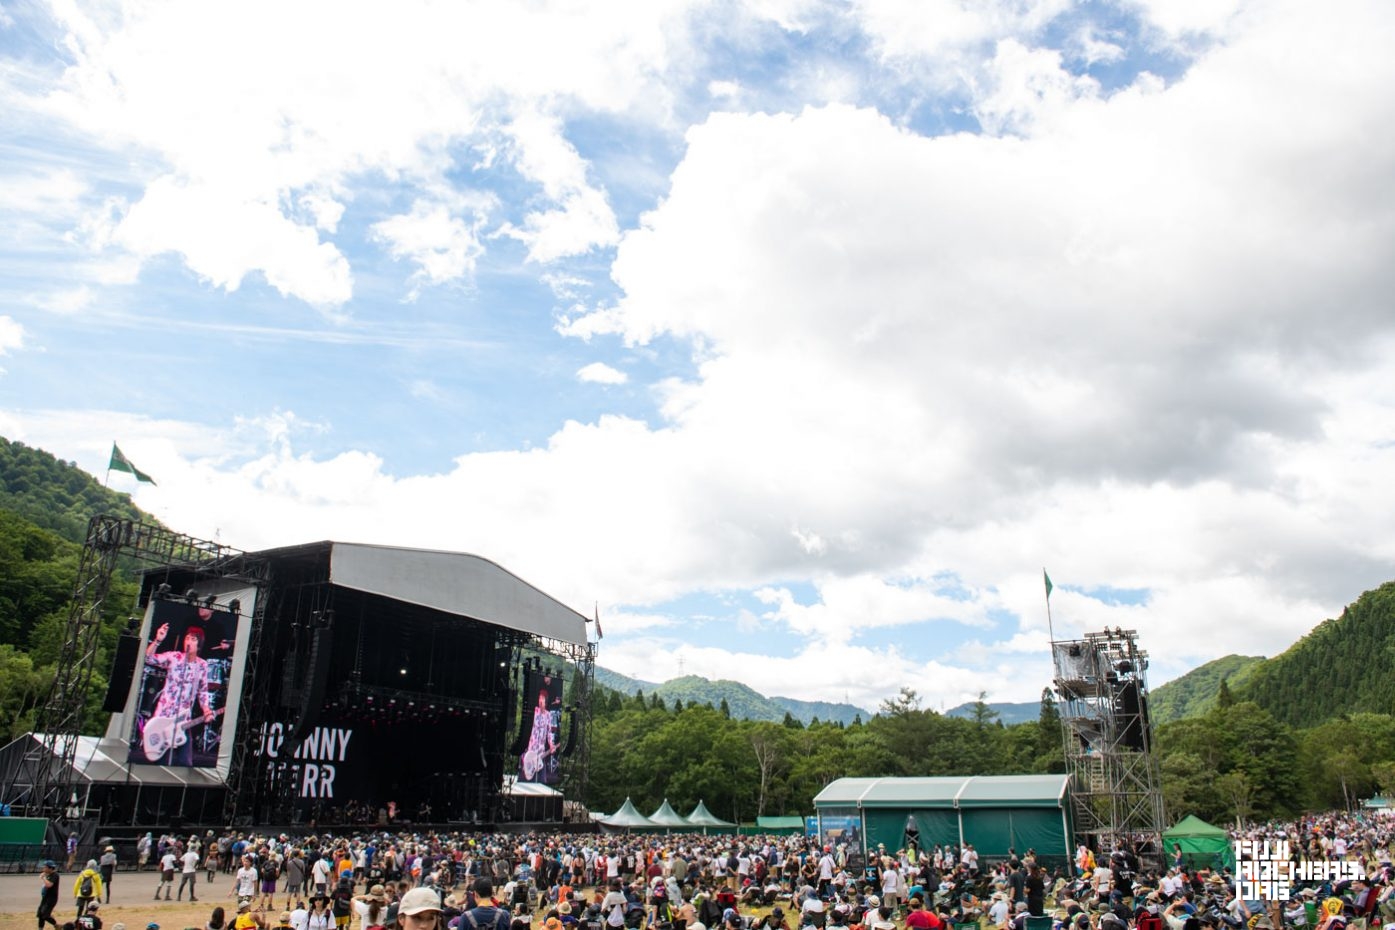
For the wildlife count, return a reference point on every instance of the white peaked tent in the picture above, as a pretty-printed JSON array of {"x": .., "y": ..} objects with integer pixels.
[
  {"x": 704, "y": 818},
  {"x": 666, "y": 816},
  {"x": 627, "y": 818}
]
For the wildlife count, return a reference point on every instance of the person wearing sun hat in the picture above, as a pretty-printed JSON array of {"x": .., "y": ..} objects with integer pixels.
[
  {"x": 371, "y": 907},
  {"x": 107, "y": 866}
]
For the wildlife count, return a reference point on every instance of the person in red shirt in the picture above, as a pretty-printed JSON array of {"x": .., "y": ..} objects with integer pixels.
[{"x": 921, "y": 919}]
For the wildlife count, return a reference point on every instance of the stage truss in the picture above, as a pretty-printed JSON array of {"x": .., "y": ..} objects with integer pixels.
[
  {"x": 43, "y": 784},
  {"x": 1116, "y": 782}
]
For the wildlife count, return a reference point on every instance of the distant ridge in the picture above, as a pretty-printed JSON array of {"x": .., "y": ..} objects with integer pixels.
[
  {"x": 1008, "y": 712},
  {"x": 745, "y": 703}
]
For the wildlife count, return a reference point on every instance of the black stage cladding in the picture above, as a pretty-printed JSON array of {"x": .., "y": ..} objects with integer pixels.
[
  {"x": 363, "y": 702},
  {"x": 386, "y": 704}
]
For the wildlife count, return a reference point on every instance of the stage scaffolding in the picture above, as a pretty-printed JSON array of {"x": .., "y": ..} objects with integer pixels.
[
  {"x": 43, "y": 784},
  {"x": 1101, "y": 681}
]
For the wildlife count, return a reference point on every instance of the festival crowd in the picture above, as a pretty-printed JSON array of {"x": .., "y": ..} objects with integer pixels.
[{"x": 467, "y": 881}]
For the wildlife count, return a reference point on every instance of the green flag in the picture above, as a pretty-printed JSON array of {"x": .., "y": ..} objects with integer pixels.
[
  {"x": 119, "y": 462},
  {"x": 1047, "y": 578}
]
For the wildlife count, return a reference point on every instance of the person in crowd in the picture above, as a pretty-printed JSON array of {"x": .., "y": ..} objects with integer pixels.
[
  {"x": 107, "y": 866},
  {"x": 87, "y": 887},
  {"x": 371, "y": 908},
  {"x": 244, "y": 881},
  {"x": 189, "y": 873},
  {"x": 248, "y": 919},
  {"x": 420, "y": 909},
  {"x": 217, "y": 920},
  {"x": 319, "y": 917},
  {"x": 89, "y": 919},
  {"x": 48, "y": 893},
  {"x": 485, "y": 915}
]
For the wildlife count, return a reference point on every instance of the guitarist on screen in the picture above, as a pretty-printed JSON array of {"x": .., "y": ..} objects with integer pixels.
[
  {"x": 186, "y": 680},
  {"x": 542, "y": 742}
]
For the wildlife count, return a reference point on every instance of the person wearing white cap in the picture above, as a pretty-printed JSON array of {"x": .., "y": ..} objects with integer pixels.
[{"x": 420, "y": 909}]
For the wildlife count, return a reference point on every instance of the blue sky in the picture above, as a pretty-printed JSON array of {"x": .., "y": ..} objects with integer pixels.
[{"x": 798, "y": 335}]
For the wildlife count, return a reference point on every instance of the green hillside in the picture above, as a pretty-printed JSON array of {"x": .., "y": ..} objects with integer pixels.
[
  {"x": 1340, "y": 668},
  {"x": 45, "y": 506},
  {"x": 55, "y": 494},
  {"x": 1195, "y": 692}
]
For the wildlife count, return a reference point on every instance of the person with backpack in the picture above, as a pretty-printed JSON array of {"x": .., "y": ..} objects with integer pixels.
[
  {"x": 484, "y": 915},
  {"x": 341, "y": 903},
  {"x": 88, "y": 887},
  {"x": 268, "y": 873}
]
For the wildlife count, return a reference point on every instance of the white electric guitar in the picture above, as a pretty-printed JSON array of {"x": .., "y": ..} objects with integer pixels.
[
  {"x": 533, "y": 761},
  {"x": 165, "y": 733}
]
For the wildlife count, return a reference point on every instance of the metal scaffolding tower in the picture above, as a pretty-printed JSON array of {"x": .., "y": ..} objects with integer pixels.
[
  {"x": 1102, "y": 684},
  {"x": 42, "y": 785}
]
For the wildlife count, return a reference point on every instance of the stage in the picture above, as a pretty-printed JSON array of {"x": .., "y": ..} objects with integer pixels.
[{"x": 291, "y": 685}]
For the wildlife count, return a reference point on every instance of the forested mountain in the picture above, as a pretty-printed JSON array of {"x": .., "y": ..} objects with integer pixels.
[
  {"x": 743, "y": 703},
  {"x": 55, "y": 494},
  {"x": 1341, "y": 667},
  {"x": 1195, "y": 692},
  {"x": 45, "y": 505}
]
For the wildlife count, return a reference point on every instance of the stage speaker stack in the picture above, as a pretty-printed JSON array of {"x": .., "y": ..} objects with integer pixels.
[
  {"x": 520, "y": 742},
  {"x": 313, "y": 696},
  {"x": 123, "y": 667},
  {"x": 1132, "y": 714},
  {"x": 570, "y": 744}
]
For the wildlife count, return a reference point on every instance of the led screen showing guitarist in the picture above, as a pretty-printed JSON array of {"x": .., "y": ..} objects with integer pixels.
[
  {"x": 183, "y": 726},
  {"x": 539, "y": 762}
]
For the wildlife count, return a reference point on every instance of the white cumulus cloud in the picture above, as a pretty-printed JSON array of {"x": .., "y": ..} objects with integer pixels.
[{"x": 601, "y": 373}]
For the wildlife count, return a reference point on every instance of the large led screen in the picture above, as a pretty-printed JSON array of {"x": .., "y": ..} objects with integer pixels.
[
  {"x": 542, "y": 696},
  {"x": 182, "y": 691}
]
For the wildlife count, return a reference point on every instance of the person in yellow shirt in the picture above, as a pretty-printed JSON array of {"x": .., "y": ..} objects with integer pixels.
[
  {"x": 87, "y": 887},
  {"x": 247, "y": 919}
]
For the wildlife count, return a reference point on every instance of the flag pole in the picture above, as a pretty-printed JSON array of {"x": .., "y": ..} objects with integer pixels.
[
  {"x": 1050, "y": 627},
  {"x": 106, "y": 482}
]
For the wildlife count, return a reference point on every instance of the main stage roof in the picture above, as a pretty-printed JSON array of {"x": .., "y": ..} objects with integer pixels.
[{"x": 451, "y": 582}]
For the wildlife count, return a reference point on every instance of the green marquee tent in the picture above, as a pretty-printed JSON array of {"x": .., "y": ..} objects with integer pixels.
[
  {"x": 1202, "y": 844},
  {"x": 993, "y": 812}
]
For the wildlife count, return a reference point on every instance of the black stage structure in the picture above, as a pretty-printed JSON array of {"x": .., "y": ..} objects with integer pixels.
[{"x": 362, "y": 684}]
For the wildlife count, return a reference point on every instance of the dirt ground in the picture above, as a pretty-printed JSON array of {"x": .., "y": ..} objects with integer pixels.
[{"x": 132, "y": 902}]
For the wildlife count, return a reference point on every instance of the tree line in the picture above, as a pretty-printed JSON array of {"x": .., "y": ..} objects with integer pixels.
[{"x": 1235, "y": 761}]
